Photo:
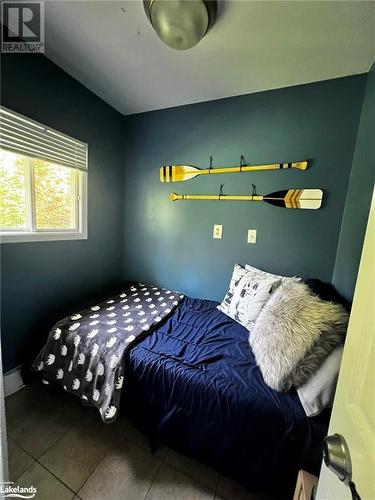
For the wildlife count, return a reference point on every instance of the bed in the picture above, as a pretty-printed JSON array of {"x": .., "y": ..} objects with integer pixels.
[{"x": 192, "y": 383}]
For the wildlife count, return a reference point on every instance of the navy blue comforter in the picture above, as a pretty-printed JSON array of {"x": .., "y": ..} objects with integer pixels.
[{"x": 193, "y": 384}]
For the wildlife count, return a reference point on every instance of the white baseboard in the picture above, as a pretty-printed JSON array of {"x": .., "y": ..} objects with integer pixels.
[{"x": 13, "y": 381}]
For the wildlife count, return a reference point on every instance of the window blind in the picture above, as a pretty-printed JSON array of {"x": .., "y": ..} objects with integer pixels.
[{"x": 22, "y": 135}]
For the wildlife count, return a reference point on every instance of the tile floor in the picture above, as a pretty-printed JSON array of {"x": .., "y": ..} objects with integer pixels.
[{"x": 63, "y": 449}]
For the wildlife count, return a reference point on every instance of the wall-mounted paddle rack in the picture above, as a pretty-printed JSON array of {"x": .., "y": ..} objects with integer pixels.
[{"x": 310, "y": 199}]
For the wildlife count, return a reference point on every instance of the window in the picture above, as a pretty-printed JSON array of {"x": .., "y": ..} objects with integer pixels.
[{"x": 42, "y": 182}]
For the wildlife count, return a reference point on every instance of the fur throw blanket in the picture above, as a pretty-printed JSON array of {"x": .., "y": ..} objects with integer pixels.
[{"x": 294, "y": 333}]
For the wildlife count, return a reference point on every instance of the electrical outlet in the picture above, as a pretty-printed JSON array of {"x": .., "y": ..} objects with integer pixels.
[
  {"x": 252, "y": 236},
  {"x": 217, "y": 232}
]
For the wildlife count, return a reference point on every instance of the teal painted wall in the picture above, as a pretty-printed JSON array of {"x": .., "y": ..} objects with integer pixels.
[
  {"x": 40, "y": 280},
  {"x": 358, "y": 198},
  {"x": 171, "y": 243}
]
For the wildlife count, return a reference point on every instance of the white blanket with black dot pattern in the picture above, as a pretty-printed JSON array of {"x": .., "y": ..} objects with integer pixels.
[{"x": 84, "y": 352}]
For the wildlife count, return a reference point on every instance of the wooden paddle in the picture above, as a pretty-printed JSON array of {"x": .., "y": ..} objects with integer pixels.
[
  {"x": 177, "y": 173},
  {"x": 310, "y": 199}
]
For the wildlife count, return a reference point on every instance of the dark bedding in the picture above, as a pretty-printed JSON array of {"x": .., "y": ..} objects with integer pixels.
[
  {"x": 84, "y": 352},
  {"x": 194, "y": 385}
]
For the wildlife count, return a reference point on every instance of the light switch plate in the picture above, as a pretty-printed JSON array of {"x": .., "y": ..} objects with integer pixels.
[
  {"x": 217, "y": 232},
  {"x": 252, "y": 236}
]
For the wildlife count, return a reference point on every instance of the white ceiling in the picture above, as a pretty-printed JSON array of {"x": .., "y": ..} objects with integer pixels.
[{"x": 110, "y": 47}]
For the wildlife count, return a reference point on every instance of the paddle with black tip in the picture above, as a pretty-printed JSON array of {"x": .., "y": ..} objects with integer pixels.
[
  {"x": 310, "y": 199},
  {"x": 178, "y": 173}
]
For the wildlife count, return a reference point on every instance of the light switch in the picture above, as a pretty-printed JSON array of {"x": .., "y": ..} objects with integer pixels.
[
  {"x": 252, "y": 236},
  {"x": 218, "y": 231}
]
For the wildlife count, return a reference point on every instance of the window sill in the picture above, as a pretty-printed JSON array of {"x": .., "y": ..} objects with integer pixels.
[{"x": 23, "y": 237}]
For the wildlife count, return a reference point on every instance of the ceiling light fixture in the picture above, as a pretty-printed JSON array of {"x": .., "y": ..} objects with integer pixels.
[{"x": 181, "y": 24}]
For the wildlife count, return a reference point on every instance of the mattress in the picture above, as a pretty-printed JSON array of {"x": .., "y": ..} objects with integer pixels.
[{"x": 194, "y": 385}]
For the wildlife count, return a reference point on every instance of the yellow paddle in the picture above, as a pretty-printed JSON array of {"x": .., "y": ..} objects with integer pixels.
[
  {"x": 310, "y": 199},
  {"x": 177, "y": 173}
]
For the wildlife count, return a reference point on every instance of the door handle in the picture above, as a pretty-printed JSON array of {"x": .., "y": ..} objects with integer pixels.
[{"x": 336, "y": 456}]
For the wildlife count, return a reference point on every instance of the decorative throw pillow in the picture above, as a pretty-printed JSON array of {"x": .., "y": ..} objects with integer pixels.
[
  {"x": 284, "y": 278},
  {"x": 294, "y": 333},
  {"x": 319, "y": 391},
  {"x": 248, "y": 291}
]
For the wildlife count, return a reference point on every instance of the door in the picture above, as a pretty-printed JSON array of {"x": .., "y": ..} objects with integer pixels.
[{"x": 353, "y": 414}]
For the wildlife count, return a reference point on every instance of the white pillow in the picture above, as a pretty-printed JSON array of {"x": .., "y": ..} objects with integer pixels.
[
  {"x": 248, "y": 292},
  {"x": 284, "y": 278},
  {"x": 319, "y": 391}
]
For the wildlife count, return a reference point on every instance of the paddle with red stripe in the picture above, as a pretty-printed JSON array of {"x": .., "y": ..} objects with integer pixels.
[
  {"x": 178, "y": 173},
  {"x": 310, "y": 199}
]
